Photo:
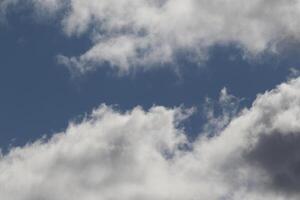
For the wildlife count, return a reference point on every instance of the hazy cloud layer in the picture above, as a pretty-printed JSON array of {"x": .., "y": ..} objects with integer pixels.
[
  {"x": 144, "y": 155},
  {"x": 146, "y": 33}
]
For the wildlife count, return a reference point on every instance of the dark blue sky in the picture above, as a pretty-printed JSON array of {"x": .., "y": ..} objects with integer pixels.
[{"x": 39, "y": 97}]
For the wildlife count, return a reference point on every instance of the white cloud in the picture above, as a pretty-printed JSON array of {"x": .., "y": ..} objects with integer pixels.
[
  {"x": 144, "y": 155},
  {"x": 144, "y": 33}
]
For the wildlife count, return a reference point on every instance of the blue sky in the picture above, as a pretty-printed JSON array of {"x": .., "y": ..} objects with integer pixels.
[
  {"x": 41, "y": 96},
  {"x": 112, "y": 84}
]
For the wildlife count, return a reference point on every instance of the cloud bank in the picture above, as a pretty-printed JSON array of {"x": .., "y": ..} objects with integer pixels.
[
  {"x": 145, "y": 155},
  {"x": 130, "y": 34}
]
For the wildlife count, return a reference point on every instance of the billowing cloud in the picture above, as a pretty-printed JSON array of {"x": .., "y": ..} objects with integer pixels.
[
  {"x": 131, "y": 34},
  {"x": 145, "y": 155}
]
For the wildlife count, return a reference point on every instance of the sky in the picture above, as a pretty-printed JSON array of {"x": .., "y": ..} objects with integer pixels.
[{"x": 149, "y": 99}]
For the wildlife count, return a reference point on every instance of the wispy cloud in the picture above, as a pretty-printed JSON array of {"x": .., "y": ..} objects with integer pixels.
[{"x": 130, "y": 34}]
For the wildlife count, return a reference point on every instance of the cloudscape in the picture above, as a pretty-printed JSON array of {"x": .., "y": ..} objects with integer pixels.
[{"x": 149, "y": 99}]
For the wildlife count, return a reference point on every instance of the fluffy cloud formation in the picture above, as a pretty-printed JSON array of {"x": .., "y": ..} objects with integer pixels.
[
  {"x": 144, "y": 155},
  {"x": 131, "y": 34}
]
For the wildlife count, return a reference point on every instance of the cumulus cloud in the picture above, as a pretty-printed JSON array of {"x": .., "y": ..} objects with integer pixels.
[
  {"x": 144, "y": 155},
  {"x": 130, "y": 34}
]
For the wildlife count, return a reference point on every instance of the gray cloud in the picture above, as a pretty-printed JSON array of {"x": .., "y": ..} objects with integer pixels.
[{"x": 278, "y": 154}]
